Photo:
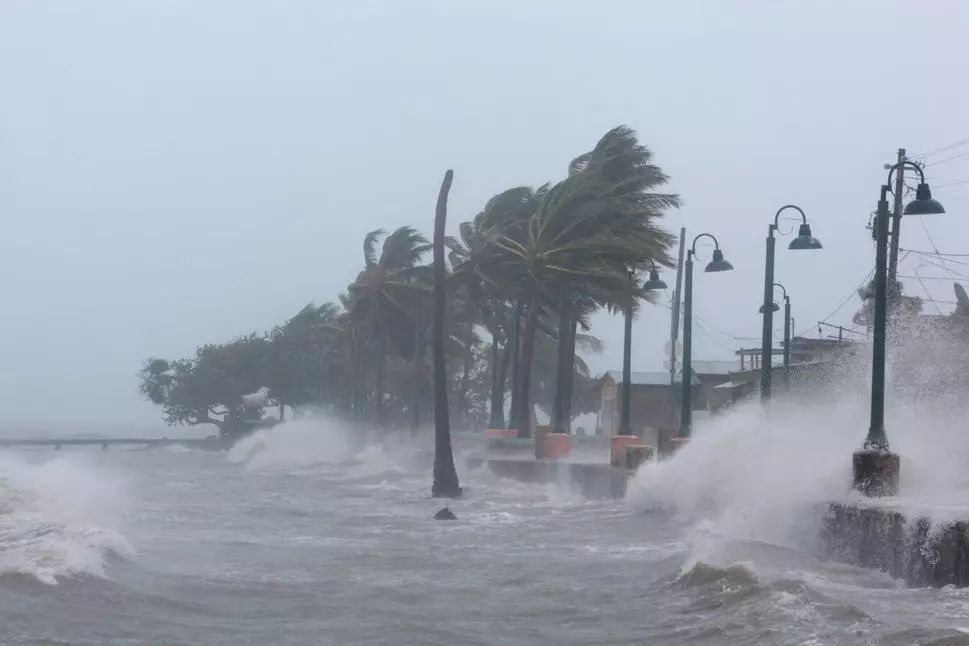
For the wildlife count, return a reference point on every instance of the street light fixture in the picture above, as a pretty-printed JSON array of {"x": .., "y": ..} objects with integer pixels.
[
  {"x": 787, "y": 331},
  {"x": 876, "y": 468},
  {"x": 686, "y": 379},
  {"x": 652, "y": 284},
  {"x": 805, "y": 240}
]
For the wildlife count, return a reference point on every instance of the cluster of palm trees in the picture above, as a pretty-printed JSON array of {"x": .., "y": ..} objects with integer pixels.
[
  {"x": 524, "y": 276},
  {"x": 532, "y": 265}
]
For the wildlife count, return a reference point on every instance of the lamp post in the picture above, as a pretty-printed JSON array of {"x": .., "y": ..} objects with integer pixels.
[
  {"x": 717, "y": 264},
  {"x": 787, "y": 331},
  {"x": 875, "y": 468},
  {"x": 654, "y": 283},
  {"x": 804, "y": 240}
]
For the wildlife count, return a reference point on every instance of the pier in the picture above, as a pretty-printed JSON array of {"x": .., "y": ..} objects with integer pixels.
[{"x": 210, "y": 443}]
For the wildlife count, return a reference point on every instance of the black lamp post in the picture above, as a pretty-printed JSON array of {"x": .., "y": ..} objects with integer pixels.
[
  {"x": 787, "y": 331},
  {"x": 804, "y": 240},
  {"x": 652, "y": 284},
  {"x": 875, "y": 467},
  {"x": 717, "y": 264}
]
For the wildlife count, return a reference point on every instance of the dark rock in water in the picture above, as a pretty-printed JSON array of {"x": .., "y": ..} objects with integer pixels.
[{"x": 445, "y": 514}]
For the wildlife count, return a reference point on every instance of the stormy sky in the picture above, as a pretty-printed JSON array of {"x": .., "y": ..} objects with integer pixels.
[{"x": 174, "y": 172}]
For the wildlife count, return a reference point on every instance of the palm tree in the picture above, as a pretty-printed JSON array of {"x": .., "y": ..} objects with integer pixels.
[
  {"x": 587, "y": 232},
  {"x": 478, "y": 272},
  {"x": 445, "y": 482},
  {"x": 385, "y": 298}
]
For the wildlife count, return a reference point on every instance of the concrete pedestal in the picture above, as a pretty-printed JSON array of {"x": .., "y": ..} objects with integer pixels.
[
  {"x": 636, "y": 454},
  {"x": 618, "y": 453},
  {"x": 876, "y": 473},
  {"x": 558, "y": 446}
]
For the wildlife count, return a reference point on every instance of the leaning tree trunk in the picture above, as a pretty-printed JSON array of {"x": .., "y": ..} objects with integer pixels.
[
  {"x": 525, "y": 378},
  {"x": 445, "y": 477}
]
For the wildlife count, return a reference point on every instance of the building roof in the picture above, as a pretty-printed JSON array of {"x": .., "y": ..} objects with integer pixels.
[
  {"x": 701, "y": 367},
  {"x": 647, "y": 378}
]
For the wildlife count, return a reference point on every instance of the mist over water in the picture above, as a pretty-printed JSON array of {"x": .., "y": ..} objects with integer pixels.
[{"x": 297, "y": 533}]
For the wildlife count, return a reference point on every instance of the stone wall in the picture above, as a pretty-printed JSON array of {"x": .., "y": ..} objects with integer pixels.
[{"x": 914, "y": 549}]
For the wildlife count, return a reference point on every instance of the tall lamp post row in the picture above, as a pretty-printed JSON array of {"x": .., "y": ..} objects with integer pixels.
[
  {"x": 787, "y": 330},
  {"x": 804, "y": 240}
]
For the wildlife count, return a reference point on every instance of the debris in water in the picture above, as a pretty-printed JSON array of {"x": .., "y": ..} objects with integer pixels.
[{"x": 445, "y": 514}]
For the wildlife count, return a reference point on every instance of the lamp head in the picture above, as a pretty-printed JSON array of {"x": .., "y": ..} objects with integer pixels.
[
  {"x": 718, "y": 263},
  {"x": 923, "y": 204},
  {"x": 773, "y": 308},
  {"x": 654, "y": 282},
  {"x": 804, "y": 239}
]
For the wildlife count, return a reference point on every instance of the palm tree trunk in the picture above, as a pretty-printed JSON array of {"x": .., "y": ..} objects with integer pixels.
[
  {"x": 465, "y": 374},
  {"x": 515, "y": 354},
  {"x": 282, "y": 411},
  {"x": 567, "y": 396},
  {"x": 355, "y": 389},
  {"x": 497, "y": 419},
  {"x": 381, "y": 361},
  {"x": 563, "y": 366},
  {"x": 525, "y": 377},
  {"x": 445, "y": 476},
  {"x": 419, "y": 351}
]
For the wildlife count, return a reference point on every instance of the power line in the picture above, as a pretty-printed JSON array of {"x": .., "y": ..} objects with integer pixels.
[
  {"x": 942, "y": 161},
  {"x": 852, "y": 293},
  {"x": 942, "y": 149},
  {"x": 926, "y": 290},
  {"x": 948, "y": 278},
  {"x": 965, "y": 181},
  {"x": 937, "y": 253}
]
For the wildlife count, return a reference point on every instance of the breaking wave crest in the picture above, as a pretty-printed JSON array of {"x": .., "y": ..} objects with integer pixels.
[{"x": 57, "y": 519}]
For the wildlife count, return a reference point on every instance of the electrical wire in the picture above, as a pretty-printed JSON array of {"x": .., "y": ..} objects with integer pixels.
[
  {"x": 926, "y": 290},
  {"x": 942, "y": 149},
  {"x": 965, "y": 181},
  {"x": 947, "y": 159},
  {"x": 937, "y": 253}
]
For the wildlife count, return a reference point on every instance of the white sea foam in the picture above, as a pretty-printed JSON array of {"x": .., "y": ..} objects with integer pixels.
[{"x": 58, "y": 518}]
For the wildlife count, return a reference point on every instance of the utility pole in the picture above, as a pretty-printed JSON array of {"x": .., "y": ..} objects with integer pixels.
[
  {"x": 675, "y": 310},
  {"x": 675, "y": 323},
  {"x": 896, "y": 225}
]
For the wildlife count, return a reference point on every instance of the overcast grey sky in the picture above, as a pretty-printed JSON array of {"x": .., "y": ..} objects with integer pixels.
[{"x": 176, "y": 172}]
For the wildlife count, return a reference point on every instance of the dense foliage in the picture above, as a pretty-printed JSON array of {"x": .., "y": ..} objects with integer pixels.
[{"x": 525, "y": 274}]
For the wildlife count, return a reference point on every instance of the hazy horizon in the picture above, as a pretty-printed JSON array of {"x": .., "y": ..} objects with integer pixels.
[{"x": 174, "y": 174}]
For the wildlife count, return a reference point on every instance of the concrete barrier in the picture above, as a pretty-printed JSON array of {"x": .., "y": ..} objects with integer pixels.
[
  {"x": 617, "y": 454},
  {"x": 908, "y": 548}
]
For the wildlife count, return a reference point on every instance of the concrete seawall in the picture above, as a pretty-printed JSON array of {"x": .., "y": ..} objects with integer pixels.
[{"x": 904, "y": 545}]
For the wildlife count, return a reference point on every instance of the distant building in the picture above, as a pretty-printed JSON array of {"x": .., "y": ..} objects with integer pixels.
[
  {"x": 654, "y": 403},
  {"x": 715, "y": 385}
]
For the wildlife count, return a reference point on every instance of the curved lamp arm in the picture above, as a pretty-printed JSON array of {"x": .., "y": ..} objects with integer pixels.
[
  {"x": 782, "y": 289},
  {"x": 777, "y": 215},
  {"x": 906, "y": 164},
  {"x": 716, "y": 245}
]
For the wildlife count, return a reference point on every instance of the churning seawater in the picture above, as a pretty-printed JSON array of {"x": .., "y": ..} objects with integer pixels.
[{"x": 300, "y": 535}]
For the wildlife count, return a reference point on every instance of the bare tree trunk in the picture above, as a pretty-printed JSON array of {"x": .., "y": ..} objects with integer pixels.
[{"x": 445, "y": 476}]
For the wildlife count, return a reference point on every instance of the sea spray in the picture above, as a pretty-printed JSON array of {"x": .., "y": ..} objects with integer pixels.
[
  {"x": 58, "y": 518},
  {"x": 300, "y": 443}
]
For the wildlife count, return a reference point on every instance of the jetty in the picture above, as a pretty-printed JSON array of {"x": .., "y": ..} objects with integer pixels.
[{"x": 211, "y": 443}]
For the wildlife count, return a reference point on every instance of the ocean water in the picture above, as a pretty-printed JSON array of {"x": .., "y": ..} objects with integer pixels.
[{"x": 306, "y": 535}]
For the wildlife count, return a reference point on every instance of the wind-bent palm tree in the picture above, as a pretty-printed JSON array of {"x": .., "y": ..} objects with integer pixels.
[
  {"x": 387, "y": 295},
  {"x": 588, "y": 231},
  {"x": 445, "y": 483}
]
